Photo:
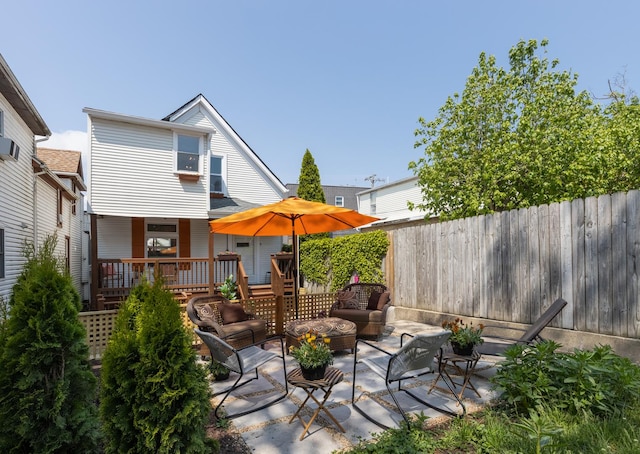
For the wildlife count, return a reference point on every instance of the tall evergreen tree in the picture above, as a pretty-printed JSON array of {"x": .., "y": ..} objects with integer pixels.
[
  {"x": 154, "y": 396},
  {"x": 309, "y": 186},
  {"x": 47, "y": 389}
]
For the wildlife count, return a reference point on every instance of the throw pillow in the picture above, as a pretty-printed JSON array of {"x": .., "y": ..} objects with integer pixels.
[
  {"x": 231, "y": 313},
  {"x": 351, "y": 304},
  {"x": 373, "y": 301},
  {"x": 384, "y": 299},
  {"x": 204, "y": 312},
  {"x": 345, "y": 297}
]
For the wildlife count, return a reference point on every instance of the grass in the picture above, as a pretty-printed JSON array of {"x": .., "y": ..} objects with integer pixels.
[
  {"x": 496, "y": 430},
  {"x": 586, "y": 401}
]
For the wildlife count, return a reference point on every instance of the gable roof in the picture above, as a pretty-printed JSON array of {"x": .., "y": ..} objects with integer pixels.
[
  {"x": 17, "y": 97},
  {"x": 64, "y": 163},
  {"x": 204, "y": 102}
]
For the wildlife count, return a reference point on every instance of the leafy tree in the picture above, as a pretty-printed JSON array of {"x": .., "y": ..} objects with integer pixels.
[
  {"x": 154, "y": 396},
  {"x": 47, "y": 389},
  {"x": 514, "y": 138}
]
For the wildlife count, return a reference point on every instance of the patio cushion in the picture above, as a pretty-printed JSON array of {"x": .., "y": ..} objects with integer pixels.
[
  {"x": 231, "y": 313},
  {"x": 361, "y": 315},
  {"x": 373, "y": 301},
  {"x": 384, "y": 299}
]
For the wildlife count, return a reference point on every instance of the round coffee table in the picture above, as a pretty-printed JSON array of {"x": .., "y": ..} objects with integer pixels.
[{"x": 341, "y": 332}]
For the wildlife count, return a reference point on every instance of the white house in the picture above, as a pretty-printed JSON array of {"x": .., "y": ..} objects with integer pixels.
[
  {"x": 155, "y": 184},
  {"x": 34, "y": 201},
  {"x": 389, "y": 202}
]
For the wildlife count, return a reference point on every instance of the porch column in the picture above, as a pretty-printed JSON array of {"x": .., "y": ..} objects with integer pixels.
[{"x": 211, "y": 263}]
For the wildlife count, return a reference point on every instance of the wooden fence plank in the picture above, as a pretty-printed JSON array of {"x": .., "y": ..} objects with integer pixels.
[
  {"x": 619, "y": 310},
  {"x": 633, "y": 263},
  {"x": 591, "y": 263},
  {"x": 524, "y": 303},
  {"x": 555, "y": 260},
  {"x": 534, "y": 265},
  {"x": 482, "y": 309},
  {"x": 566, "y": 264},
  {"x": 605, "y": 319},
  {"x": 578, "y": 251}
]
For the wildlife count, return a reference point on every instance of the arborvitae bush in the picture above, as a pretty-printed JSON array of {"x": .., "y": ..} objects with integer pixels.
[
  {"x": 154, "y": 396},
  {"x": 47, "y": 389}
]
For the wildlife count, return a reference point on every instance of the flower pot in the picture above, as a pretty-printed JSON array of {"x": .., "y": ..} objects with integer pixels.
[
  {"x": 463, "y": 350},
  {"x": 313, "y": 373}
]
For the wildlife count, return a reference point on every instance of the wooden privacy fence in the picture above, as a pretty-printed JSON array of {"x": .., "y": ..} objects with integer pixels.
[{"x": 512, "y": 265}]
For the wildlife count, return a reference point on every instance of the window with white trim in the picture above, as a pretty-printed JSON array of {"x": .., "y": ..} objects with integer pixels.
[
  {"x": 188, "y": 153},
  {"x": 215, "y": 175},
  {"x": 339, "y": 202},
  {"x": 1, "y": 123},
  {"x": 162, "y": 240}
]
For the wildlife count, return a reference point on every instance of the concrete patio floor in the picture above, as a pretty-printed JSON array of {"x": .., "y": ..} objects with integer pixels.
[{"x": 268, "y": 431}]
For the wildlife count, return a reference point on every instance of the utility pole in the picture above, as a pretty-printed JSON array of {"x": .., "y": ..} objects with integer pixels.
[{"x": 372, "y": 179}]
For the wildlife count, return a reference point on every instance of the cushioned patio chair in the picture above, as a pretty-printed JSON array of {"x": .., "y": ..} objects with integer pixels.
[
  {"x": 496, "y": 345},
  {"x": 227, "y": 320},
  {"x": 244, "y": 361},
  {"x": 364, "y": 304},
  {"x": 414, "y": 360}
]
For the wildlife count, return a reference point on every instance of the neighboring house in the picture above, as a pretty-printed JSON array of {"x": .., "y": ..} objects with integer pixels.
[
  {"x": 155, "y": 184},
  {"x": 389, "y": 202},
  {"x": 34, "y": 201},
  {"x": 340, "y": 196},
  {"x": 68, "y": 217}
]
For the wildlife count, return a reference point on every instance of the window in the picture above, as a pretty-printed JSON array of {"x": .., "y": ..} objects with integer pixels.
[
  {"x": 1, "y": 253},
  {"x": 74, "y": 202},
  {"x": 372, "y": 208},
  {"x": 67, "y": 253},
  {"x": 339, "y": 201},
  {"x": 59, "y": 208},
  {"x": 215, "y": 177},
  {"x": 162, "y": 240},
  {"x": 1, "y": 123},
  {"x": 188, "y": 154}
]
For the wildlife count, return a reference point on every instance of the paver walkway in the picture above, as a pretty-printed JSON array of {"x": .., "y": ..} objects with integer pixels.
[{"x": 268, "y": 431}]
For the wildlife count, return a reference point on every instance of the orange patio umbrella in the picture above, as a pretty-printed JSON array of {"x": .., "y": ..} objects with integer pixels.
[{"x": 293, "y": 216}]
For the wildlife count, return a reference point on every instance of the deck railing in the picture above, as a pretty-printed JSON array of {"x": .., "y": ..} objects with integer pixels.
[{"x": 116, "y": 277}]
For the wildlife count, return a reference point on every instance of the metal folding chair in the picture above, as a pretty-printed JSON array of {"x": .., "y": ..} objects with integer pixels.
[
  {"x": 412, "y": 361},
  {"x": 243, "y": 361}
]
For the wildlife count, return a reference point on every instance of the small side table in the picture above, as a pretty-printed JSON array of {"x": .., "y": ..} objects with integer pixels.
[
  {"x": 332, "y": 377},
  {"x": 463, "y": 366}
]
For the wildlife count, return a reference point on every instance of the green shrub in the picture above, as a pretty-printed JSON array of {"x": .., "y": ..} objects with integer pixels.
[
  {"x": 335, "y": 260},
  {"x": 597, "y": 380},
  {"x": 154, "y": 397},
  {"x": 47, "y": 389}
]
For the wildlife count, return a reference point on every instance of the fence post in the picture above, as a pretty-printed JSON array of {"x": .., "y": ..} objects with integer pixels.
[{"x": 279, "y": 314}]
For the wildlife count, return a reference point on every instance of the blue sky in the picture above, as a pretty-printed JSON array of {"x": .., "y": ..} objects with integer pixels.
[{"x": 346, "y": 79}]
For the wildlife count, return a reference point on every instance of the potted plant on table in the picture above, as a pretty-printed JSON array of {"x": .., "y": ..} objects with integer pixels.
[
  {"x": 464, "y": 337},
  {"x": 313, "y": 354}
]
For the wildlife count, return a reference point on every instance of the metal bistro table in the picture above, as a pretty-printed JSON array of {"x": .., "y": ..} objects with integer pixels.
[
  {"x": 462, "y": 366},
  {"x": 331, "y": 377}
]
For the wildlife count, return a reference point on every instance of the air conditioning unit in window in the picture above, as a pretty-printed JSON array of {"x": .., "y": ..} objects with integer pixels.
[{"x": 8, "y": 149}]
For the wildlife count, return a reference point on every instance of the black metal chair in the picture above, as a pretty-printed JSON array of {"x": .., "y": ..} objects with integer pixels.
[
  {"x": 412, "y": 361},
  {"x": 496, "y": 345},
  {"x": 243, "y": 361}
]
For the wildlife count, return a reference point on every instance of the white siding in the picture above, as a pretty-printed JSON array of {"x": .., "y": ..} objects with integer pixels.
[
  {"x": 16, "y": 197},
  {"x": 391, "y": 200},
  {"x": 114, "y": 237},
  {"x": 132, "y": 174}
]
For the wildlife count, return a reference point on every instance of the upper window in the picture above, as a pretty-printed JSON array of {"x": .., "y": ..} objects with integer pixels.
[
  {"x": 188, "y": 154},
  {"x": 339, "y": 201},
  {"x": 1, "y": 123},
  {"x": 215, "y": 177}
]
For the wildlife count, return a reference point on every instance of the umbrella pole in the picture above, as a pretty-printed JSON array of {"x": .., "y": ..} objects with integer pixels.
[{"x": 295, "y": 271}]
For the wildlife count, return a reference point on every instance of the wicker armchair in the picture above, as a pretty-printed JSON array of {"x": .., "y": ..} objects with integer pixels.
[
  {"x": 358, "y": 307},
  {"x": 217, "y": 315}
]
